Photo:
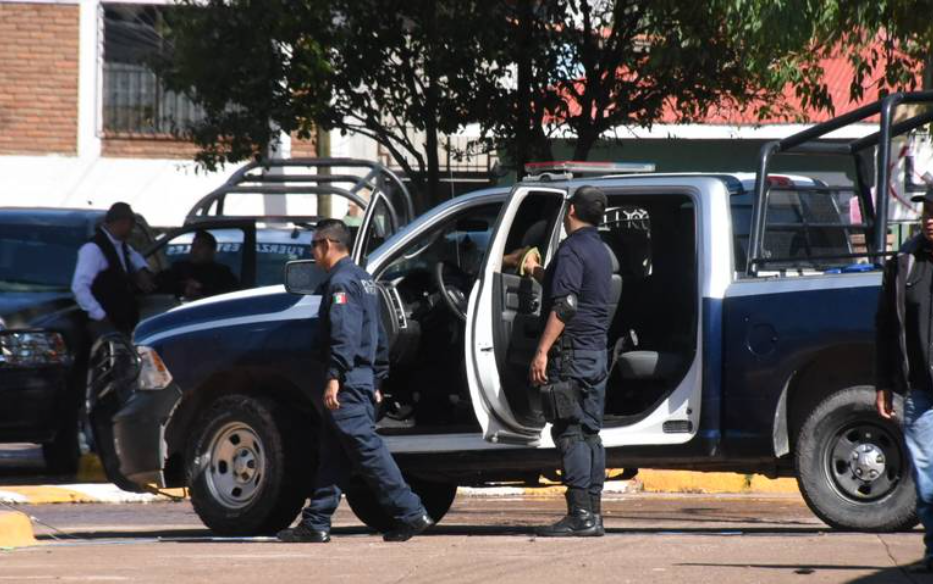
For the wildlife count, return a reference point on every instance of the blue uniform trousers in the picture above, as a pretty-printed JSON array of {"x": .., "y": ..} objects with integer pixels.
[
  {"x": 349, "y": 443},
  {"x": 918, "y": 434},
  {"x": 583, "y": 458}
]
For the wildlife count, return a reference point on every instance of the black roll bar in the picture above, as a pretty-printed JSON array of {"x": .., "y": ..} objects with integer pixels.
[{"x": 802, "y": 143}]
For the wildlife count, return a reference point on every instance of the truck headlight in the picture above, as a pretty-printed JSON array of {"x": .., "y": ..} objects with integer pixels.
[
  {"x": 153, "y": 374},
  {"x": 32, "y": 348}
]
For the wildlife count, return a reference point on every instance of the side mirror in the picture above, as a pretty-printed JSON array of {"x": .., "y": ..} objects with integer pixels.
[{"x": 303, "y": 277}]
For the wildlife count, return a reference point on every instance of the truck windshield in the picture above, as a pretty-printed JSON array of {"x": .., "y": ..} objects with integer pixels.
[{"x": 38, "y": 258}]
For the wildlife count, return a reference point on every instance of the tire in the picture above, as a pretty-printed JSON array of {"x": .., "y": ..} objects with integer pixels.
[
  {"x": 247, "y": 467},
  {"x": 436, "y": 497},
  {"x": 845, "y": 436},
  {"x": 64, "y": 451}
]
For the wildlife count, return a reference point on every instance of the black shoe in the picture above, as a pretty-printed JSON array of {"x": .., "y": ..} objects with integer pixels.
[
  {"x": 579, "y": 521},
  {"x": 600, "y": 530},
  {"x": 301, "y": 533},
  {"x": 406, "y": 531},
  {"x": 572, "y": 526},
  {"x": 596, "y": 507},
  {"x": 924, "y": 566}
]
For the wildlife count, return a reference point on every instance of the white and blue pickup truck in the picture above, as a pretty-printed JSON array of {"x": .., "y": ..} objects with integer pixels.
[{"x": 742, "y": 340}]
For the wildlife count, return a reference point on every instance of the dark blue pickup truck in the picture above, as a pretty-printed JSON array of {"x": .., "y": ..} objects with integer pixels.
[{"x": 743, "y": 341}]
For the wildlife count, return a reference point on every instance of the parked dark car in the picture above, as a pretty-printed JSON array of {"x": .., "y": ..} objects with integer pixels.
[{"x": 43, "y": 343}]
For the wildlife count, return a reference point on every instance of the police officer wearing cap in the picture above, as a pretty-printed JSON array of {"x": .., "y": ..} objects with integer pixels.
[
  {"x": 108, "y": 274},
  {"x": 356, "y": 361},
  {"x": 570, "y": 363},
  {"x": 904, "y": 351}
]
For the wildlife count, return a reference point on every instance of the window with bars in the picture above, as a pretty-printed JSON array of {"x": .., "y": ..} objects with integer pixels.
[{"x": 134, "y": 99}]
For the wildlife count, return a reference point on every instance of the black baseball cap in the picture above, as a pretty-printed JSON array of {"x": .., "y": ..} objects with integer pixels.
[
  {"x": 119, "y": 211},
  {"x": 926, "y": 197},
  {"x": 590, "y": 203}
]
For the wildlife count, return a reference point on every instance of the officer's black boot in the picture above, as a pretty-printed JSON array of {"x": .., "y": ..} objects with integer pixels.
[
  {"x": 579, "y": 521},
  {"x": 302, "y": 533},
  {"x": 596, "y": 507}
]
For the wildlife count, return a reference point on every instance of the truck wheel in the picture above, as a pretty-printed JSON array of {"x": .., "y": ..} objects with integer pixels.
[
  {"x": 852, "y": 466},
  {"x": 436, "y": 497},
  {"x": 246, "y": 467},
  {"x": 63, "y": 452}
]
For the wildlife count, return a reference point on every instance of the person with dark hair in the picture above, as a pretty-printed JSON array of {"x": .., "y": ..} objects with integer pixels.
[
  {"x": 904, "y": 328},
  {"x": 201, "y": 275},
  {"x": 356, "y": 362},
  {"x": 570, "y": 363},
  {"x": 109, "y": 273}
]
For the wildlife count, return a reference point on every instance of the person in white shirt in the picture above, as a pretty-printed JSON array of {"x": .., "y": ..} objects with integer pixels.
[{"x": 108, "y": 274}]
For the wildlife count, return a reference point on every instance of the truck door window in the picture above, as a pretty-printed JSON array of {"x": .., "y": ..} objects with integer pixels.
[{"x": 461, "y": 242}]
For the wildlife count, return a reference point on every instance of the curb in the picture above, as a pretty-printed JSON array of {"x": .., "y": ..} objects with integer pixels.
[
  {"x": 80, "y": 493},
  {"x": 15, "y": 530},
  {"x": 648, "y": 481},
  {"x": 681, "y": 481},
  {"x": 658, "y": 481}
]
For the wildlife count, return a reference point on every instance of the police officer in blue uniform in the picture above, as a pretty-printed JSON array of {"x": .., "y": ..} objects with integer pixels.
[
  {"x": 356, "y": 361},
  {"x": 570, "y": 363}
]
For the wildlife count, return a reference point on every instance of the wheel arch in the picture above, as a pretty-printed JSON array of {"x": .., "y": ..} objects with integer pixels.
[
  {"x": 246, "y": 381},
  {"x": 823, "y": 374}
]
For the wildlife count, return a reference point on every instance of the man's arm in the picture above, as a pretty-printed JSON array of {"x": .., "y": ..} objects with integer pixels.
[
  {"x": 91, "y": 262},
  {"x": 552, "y": 331},
  {"x": 137, "y": 260},
  {"x": 564, "y": 287},
  {"x": 346, "y": 322},
  {"x": 886, "y": 341}
]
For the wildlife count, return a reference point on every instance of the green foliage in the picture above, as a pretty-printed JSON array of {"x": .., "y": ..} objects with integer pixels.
[
  {"x": 251, "y": 66},
  {"x": 407, "y": 72}
]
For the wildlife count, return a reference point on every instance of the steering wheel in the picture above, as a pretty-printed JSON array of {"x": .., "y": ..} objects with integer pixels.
[{"x": 454, "y": 298}]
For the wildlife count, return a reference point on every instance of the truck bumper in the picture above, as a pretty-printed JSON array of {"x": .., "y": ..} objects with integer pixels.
[{"x": 139, "y": 434}]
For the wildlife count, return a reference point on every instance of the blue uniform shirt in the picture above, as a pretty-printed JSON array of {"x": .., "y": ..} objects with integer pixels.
[
  {"x": 354, "y": 340},
  {"x": 582, "y": 267}
]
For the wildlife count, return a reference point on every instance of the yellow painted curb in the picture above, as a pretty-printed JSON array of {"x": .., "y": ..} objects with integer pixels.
[
  {"x": 678, "y": 481},
  {"x": 45, "y": 495},
  {"x": 90, "y": 469},
  {"x": 15, "y": 530}
]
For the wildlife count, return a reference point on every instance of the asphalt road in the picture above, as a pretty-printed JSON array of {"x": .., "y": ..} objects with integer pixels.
[{"x": 651, "y": 538}]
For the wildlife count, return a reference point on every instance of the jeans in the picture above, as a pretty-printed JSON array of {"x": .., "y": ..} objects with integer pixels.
[{"x": 918, "y": 434}]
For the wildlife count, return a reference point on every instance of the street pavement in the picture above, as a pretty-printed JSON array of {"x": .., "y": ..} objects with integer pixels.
[{"x": 718, "y": 539}]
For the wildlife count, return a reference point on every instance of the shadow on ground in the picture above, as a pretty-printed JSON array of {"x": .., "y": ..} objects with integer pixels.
[{"x": 880, "y": 576}]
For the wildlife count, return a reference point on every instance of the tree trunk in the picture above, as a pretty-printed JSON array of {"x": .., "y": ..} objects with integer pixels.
[
  {"x": 523, "y": 121},
  {"x": 585, "y": 141},
  {"x": 433, "y": 196}
]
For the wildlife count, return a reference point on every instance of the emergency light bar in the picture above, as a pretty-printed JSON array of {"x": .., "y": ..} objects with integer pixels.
[{"x": 568, "y": 168}]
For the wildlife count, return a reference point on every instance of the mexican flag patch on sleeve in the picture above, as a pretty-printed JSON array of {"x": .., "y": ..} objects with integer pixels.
[{"x": 340, "y": 298}]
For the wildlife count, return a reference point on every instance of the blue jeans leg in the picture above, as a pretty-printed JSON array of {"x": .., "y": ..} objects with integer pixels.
[{"x": 918, "y": 434}]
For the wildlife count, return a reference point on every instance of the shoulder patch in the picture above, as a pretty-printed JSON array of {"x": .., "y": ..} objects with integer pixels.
[{"x": 339, "y": 298}]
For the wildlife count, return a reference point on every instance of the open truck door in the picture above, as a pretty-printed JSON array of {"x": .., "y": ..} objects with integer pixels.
[{"x": 503, "y": 319}]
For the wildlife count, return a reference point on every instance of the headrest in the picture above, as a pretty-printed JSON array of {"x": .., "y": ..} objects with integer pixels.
[{"x": 613, "y": 259}]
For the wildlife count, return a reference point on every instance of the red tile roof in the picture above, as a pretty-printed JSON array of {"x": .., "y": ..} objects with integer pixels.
[{"x": 837, "y": 73}]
